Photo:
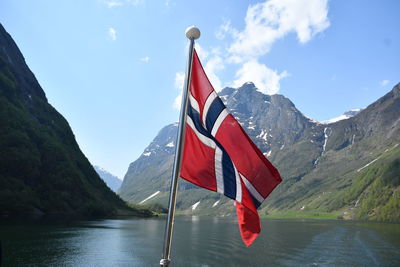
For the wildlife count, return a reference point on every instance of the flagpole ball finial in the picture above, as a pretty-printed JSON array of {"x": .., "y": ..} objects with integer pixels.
[{"x": 192, "y": 32}]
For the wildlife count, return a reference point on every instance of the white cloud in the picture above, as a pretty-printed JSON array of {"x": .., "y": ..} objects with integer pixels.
[
  {"x": 179, "y": 80},
  {"x": 111, "y": 4},
  {"x": 269, "y": 21},
  {"x": 384, "y": 83},
  {"x": 177, "y": 102},
  {"x": 115, "y": 3},
  {"x": 134, "y": 2},
  {"x": 224, "y": 29},
  {"x": 265, "y": 79},
  {"x": 112, "y": 33},
  {"x": 265, "y": 23},
  {"x": 168, "y": 3},
  {"x": 202, "y": 53},
  {"x": 145, "y": 59},
  {"x": 213, "y": 65}
]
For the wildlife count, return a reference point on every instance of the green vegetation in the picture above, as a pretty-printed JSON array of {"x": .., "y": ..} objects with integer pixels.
[
  {"x": 381, "y": 200},
  {"x": 150, "y": 209},
  {"x": 348, "y": 169},
  {"x": 374, "y": 193},
  {"x": 42, "y": 170},
  {"x": 297, "y": 160},
  {"x": 303, "y": 215}
]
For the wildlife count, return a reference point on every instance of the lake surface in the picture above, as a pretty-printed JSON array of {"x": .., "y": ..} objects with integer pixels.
[{"x": 199, "y": 241}]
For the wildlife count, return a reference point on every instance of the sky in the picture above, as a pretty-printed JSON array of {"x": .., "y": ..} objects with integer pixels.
[{"x": 114, "y": 68}]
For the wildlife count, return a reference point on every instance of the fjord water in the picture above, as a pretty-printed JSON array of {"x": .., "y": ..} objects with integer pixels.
[{"x": 199, "y": 241}]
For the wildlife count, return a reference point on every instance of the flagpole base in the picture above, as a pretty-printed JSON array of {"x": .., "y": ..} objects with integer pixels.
[{"x": 165, "y": 262}]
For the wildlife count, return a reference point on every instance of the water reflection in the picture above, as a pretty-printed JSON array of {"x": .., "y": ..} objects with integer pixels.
[
  {"x": 200, "y": 241},
  {"x": 215, "y": 220},
  {"x": 195, "y": 218}
]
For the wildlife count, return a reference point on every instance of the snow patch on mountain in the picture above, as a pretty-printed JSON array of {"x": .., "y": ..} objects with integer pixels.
[
  {"x": 216, "y": 203},
  {"x": 151, "y": 196},
  {"x": 267, "y": 154},
  {"x": 112, "y": 181},
  {"x": 344, "y": 116},
  {"x": 312, "y": 120},
  {"x": 263, "y": 135},
  {"x": 366, "y": 165},
  {"x": 194, "y": 206},
  {"x": 369, "y": 163}
]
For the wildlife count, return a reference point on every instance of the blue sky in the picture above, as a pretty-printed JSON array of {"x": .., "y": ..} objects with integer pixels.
[{"x": 113, "y": 67}]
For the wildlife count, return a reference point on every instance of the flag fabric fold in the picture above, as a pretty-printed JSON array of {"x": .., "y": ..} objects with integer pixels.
[{"x": 219, "y": 156}]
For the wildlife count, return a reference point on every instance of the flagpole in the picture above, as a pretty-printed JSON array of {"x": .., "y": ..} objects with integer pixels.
[{"x": 192, "y": 33}]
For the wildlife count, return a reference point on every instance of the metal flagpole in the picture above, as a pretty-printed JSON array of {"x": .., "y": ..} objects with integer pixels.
[{"x": 192, "y": 33}]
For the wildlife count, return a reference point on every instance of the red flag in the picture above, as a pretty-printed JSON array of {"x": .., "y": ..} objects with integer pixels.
[{"x": 219, "y": 156}]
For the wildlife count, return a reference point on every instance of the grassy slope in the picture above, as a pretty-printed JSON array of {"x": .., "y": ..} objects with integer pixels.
[
  {"x": 369, "y": 194},
  {"x": 375, "y": 191},
  {"x": 329, "y": 191}
]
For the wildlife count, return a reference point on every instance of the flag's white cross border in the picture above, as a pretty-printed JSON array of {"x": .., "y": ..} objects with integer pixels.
[{"x": 218, "y": 152}]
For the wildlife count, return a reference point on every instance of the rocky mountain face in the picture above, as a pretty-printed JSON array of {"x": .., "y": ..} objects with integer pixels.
[
  {"x": 327, "y": 168},
  {"x": 155, "y": 163},
  {"x": 352, "y": 166},
  {"x": 111, "y": 181},
  {"x": 42, "y": 169}
]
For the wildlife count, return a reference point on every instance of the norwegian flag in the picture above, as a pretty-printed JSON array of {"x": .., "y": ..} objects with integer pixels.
[{"x": 219, "y": 156}]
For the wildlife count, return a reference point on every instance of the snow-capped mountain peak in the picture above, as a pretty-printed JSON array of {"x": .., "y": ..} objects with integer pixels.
[{"x": 344, "y": 116}]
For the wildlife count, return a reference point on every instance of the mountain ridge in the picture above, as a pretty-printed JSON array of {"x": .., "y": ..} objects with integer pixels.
[
  {"x": 307, "y": 153},
  {"x": 42, "y": 169},
  {"x": 112, "y": 181}
]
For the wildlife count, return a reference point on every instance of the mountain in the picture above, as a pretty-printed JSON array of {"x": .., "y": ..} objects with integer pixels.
[
  {"x": 111, "y": 181},
  {"x": 151, "y": 169},
  {"x": 256, "y": 112},
  {"x": 348, "y": 168},
  {"x": 42, "y": 169}
]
